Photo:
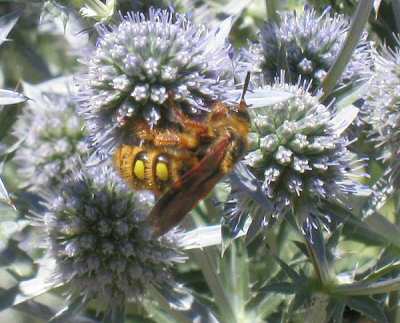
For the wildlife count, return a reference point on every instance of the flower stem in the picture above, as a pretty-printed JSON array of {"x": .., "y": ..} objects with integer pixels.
[
  {"x": 272, "y": 8},
  {"x": 205, "y": 259},
  {"x": 359, "y": 20},
  {"x": 367, "y": 288},
  {"x": 396, "y": 8}
]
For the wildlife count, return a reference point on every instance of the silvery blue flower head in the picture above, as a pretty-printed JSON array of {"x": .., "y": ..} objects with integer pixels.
[
  {"x": 381, "y": 109},
  {"x": 101, "y": 243},
  {"x": 304, "y": 45},
  {"x": 141, "y": 63},
  {"x": 298, "y": 155},
  {"x": 52, "y": 140}
]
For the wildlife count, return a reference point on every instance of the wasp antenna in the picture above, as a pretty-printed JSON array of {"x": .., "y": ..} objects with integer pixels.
[{"x": 245, "y": 86}]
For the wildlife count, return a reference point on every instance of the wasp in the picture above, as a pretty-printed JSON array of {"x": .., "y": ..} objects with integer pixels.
[{"x": 183, "y": 161}]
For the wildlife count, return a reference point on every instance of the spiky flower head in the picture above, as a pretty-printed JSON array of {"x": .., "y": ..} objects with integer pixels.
[
  {"x": 141, "y": 63},
  {"x": 101, "y": 243},
  {"x": 381, "y": 109},
  {"x": 304, "y": 45},
  {"x": 298, "y": 151},
  {"x": 52, "y": 140}
]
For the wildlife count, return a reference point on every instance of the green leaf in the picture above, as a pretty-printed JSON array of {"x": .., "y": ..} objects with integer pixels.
[
  {"x": 4, "y": 197},
  {"x": 359, "y": 20},
  {"x": 7, "y": 297},
  {"x": 43, "y": 282},
  {"x": 71, "y": 310},
  {"x": 280, "y": 288},
  {"x": 347, "y": 100},
  {"x": 292, "y": 274},
  {"x": 180, "y": 303},
  {"x": 383, "y": 271},
  {"x": 316, "y": 248},
  {"x": 335, "y": 310},
  {"x": 368, "y": 307},
  {"x": 7, "y": 23},
  {"x": 8, "y": 97},
  {"x": 115, "y": 315},
  {"x": 366, "y": 287},
  {"x": 260, "y": 98}
]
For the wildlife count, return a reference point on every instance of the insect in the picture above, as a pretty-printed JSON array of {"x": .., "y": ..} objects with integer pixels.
[{"x": 182, "y": 162}]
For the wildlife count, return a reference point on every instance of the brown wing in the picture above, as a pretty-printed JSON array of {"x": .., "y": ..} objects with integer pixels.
[{"x": 185, "y": 193}]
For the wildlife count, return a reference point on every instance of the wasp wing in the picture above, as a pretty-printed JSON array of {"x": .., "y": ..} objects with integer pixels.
[{"x": 186, "y": 192}]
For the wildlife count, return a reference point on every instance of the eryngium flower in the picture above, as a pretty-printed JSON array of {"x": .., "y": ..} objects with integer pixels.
[
  {"x": 381, "y": 109},
  {"x": 101, "y": 243},
  {"x": 304, "y": 45},
  {"x": 298, "y": 151},
  {"x": 142, "y": 62},
  {"x": 52, "y": 140}
]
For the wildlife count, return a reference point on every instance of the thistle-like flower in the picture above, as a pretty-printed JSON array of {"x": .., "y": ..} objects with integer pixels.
[
  {"x": 304, "y": 45},
  {"x": 101, "y": 243},
  {"x": 52, "y": 140},
  {"x": 141, "y": 64},
  {"x": 381, "y": 109},
  {"x": 298, "y": 155}
]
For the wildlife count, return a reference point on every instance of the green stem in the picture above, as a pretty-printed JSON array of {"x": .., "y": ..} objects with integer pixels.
[
  {"x": 367, "y": 288},
  {"x": 205, "y": 259},
  {"x": 394, "y": 297},
  {"x": 272, "y": 10},
  {"x": 396, "y": 10},
  {"x": 163, "y": 303},
  {"x": 317, "y": 254},
  {"x": 358, "y": 23}
]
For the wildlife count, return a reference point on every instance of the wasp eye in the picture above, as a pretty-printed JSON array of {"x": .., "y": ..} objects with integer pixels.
[
  {"x": 162, "y": 171},
  {"x": 139, "y": 166}
]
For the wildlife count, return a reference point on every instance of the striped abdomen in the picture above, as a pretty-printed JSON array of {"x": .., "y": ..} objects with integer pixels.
[{"x": 151, "y": 169}]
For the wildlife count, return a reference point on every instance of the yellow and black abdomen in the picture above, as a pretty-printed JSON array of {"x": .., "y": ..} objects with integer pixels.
[{"x": 148, "y": 168}]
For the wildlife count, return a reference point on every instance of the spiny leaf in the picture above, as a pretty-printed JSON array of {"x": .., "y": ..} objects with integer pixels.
[
  {"x": 68, "y": 312},
  {"x": 335, "y": 310},
  {"x": 289, "y": 271},
  {"x": 369, "y": 307},
  {"x": 7, "y": 297},
  {"x": 7, "y": 23},
  {"x": 8, "y": 97},
  {"x": 181, "y": 304},
  {"x": 4, "y": 197},
  {"x": 280, "y": 287},
  {"x": 115, "y": 315},
  {"x": 316, "y": 247}
]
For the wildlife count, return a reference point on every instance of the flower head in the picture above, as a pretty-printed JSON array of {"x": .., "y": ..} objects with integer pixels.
[
  {"x": 381, "y": 109},
  {"x": 52, "y": 140},
  {"x": 101, "y": 243},
  {"x": 303, "y": 45},
  {"x": 141, "y": 64},
  {"x": 298, "y": 153}
]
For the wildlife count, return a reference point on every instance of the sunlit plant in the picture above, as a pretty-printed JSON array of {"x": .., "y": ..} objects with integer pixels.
[{"x": 305, "y": 227}]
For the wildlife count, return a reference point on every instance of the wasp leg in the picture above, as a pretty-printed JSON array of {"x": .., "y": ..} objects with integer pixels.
[
  {"x": 196, "y": 127},
  {"x": 174, "y": 138}
]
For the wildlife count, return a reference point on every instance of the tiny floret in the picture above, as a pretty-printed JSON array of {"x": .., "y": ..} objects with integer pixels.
[
  {"x": 144, "y": 62},
  {"x": 298, "y": 154},
  {"x": 381, "y": 108},
  {"x": 101, "y": 243},
  {"x": 304, "y": 45},
  {"x": 52, "y": 140}
]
